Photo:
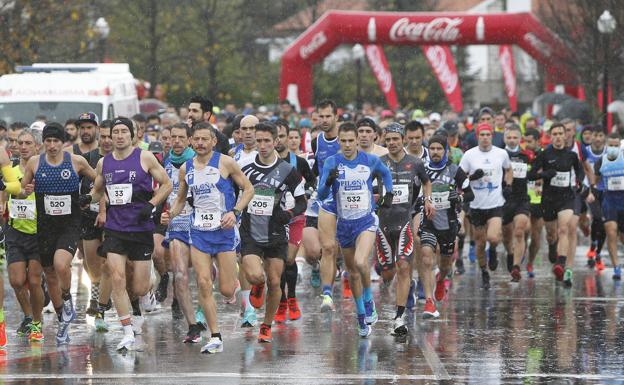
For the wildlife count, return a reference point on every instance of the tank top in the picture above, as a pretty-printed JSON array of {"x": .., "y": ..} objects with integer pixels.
[
  {"x": 128, "y": 188},
  {"x": 612, "y": 173},
  {"x": 56, "y": 190},
  {"x": 23, "y": 212},
  {"x": 324, "y": 149},
  {"x": 180, "y": 222},
  {"x": 213, "y": 195}
]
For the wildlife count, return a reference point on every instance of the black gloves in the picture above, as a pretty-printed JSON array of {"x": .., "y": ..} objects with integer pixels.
[
  {"x": 583, "y": 191},
  {"x": 478, "y": 174},
  {"x": 190, "y": 200},
  {"x": 282, "y": 217},
  {"x": 2, "y": 185},
  {"x": 548, "y": 174},
  {"x": 507, "y": 190},
  {"x": 333, "y": 175},
  {"x": 455, "y": 197},
  {"x": 386, "y": 201},
  {"x": 84, "y": 199},
  {"x": 146, "y": 212}
]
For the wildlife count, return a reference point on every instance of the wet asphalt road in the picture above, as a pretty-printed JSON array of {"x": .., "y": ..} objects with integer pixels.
[{"x": 532, "y": 332}]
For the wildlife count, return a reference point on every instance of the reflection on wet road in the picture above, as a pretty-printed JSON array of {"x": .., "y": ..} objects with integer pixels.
[{"x": 531, "y": 332}]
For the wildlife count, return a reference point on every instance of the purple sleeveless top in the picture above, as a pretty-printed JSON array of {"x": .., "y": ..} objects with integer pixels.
[{"x": 125, "y": 217}]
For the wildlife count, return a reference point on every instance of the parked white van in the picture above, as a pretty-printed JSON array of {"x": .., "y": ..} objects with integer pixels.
[{"x": 62, "y": 91}]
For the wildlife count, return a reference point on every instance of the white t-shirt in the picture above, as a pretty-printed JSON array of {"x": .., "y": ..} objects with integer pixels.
[{"x": 488, "y": 190}]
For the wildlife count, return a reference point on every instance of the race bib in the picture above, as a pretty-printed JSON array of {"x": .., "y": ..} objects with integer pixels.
[
  {"x": 615, "y": 183},
  {"x": 119, "y": 194},
  {"x": 562, "y": 179},
  {"x": 401, "y": 193},
  {"x": 441, "y": 200},
  {"x": 519, "y": 170},
  {"x": 488, "y": 175},
  {"x": 22, "y": 209},
  {"x": 207, "y": 220},
  {"x": 354, "y": 200},
  {"x": 57, "y": 204},
  {"x": 261, "y": 205},
  {"x": 186, "y": 210}
]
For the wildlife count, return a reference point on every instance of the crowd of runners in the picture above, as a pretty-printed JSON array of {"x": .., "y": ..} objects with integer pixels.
[{"x": 238, "y": 198}]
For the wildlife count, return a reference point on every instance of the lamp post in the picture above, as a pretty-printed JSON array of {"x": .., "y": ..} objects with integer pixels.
[
  {"x": 102, "y": 29},
  {"x": 358, "y": 55},
  {"x": 606, "y": 26}
]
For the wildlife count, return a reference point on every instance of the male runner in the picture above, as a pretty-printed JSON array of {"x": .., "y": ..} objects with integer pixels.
[
  {"x": 205, "y": 184},
  {"x": 263, "y": 231},
  {"x": 534, "y": 189},
  {"x": 127, "y": 174},
  {"x": 55, "y": 175},
  {"x": 348, "y": 176},
  {"x": 87, "y": 124},
  {"x": 486, "y": 165},
  {"x": 395, "y": 240},
  {"x": 595, "y": 152},
  {"x": 516, "y": 209}
]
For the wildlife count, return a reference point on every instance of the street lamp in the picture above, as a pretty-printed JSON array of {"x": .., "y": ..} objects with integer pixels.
[
  {"x": 102, "y": 29},
  {"x": 358, "y": 55},
  {"x": 606, "y": 26}
]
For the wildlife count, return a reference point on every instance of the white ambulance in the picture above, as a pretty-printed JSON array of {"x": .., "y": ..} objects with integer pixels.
[{"x": 62, "y": 91}]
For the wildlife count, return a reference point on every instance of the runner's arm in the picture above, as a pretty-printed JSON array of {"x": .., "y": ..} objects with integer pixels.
[
  {"x": 323, "y": 190},
  {"x": 97, "y": 191},
  {"x": 461, "y": 180},
  {"x": 386, "y": 176},
  {"x": 242, "y": 182},
  {"x": 180, "y": 201},
  {"x": 9, "y": 176},
  {"x": 160, "y": 176},
  {"x": 84, "y": 168}
]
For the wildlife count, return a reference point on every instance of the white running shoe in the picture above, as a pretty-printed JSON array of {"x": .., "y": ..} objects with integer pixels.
[
  {"x": 214, "y": 345},
  {"x": 127, "y": 343},
  {"x": 400, "y": 326},
  {"x": 137, "y": 324},
  {"x": 150, "y": 303}
]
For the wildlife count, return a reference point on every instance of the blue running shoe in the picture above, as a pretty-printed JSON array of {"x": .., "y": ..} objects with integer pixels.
[
  {"x": 371, "y": 313},
  {"x": 420, "y": 290},
  {"x": 62, "y": 335},
  {"x": 200, "y": 318},
  {"x": 68, "y": 313},
  {"x": 249, "y": 318},
  {"x": 364, "y": 329},
  {"x": 617, "y": 273},
  {"x": 315, "y": 276},
  {"x": 472, "y": 253},
  {"x": 411, "y": 297}
]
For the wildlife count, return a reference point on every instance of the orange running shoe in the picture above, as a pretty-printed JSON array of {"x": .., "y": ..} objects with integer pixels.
[
  {"x": 346, "y": 288},
  {"x": 293, "y": 309},
  {"x": 440, "y": 290},
  {"x": 280, "y": 316},
  {"x": 430, "y": 310},
  {"x": 256, "y": 296},
  {"x": 558, "y": 272},
  {"x": 36, "y": 335},
  {"x": 599, "y": 264},
  {"x": 265, "y": 333},
  {"x": 3, "y": 339},
  {"x": 591, "y": 258}
]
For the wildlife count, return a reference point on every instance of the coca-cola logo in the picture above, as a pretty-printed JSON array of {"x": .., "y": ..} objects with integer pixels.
[
  {"x": 442, "y": 29},
  {"x": 384, "y": 77},
  {"x": 447, "y": 76},
  {"x": 539, "y": 45},
  {"x": 508, "y": 71},
  {"x": 308, "y": 49}
]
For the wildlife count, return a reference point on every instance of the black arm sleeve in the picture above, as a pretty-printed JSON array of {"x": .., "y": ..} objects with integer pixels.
[
  {"x": 536, "y": 166},
  {"x": 597, "y": 166},
  {"x": 578, "y": 169},
  {"x": 315, "y": 171},
  {"x": 304, "y": 169},
  {"x": 460, "y": 178}
]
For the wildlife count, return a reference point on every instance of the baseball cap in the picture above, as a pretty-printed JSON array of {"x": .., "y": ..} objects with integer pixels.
[
  {"x": 451, "y": 127},
  {"x": 345, "y": 117},
  {"x": 387, "y": 114},
  {"x": 153, "y": 128},
  {"x": 38, "y": 125},
  {"x": 88, "y": 117},
  {"x": 435, "y": 117},
  {"x": 156, "y": 147},
  {"x": 418, "y": 114},
  {"x": 305, "y": 123}
]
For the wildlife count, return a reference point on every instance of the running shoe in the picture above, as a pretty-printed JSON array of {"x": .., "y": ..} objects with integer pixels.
[
  {"x": 149, "y": 302},
  {"x": 200, "y": 318},
  {"x": 459, "y": 267},
  {"x": 24, "y": 328},
  {"x": 515, "y": 274},
  {"x": 214, "y": 345},
  {"x": 400, "y": 326},
  {"x": 68, "y": 313},
  {"x": 430, "y": 311},
  {"x": 440, "y": 290},
  {"x": 492, "y": 259},
  {"x": 371, "y": 312},
  {"x": 567, "y": 278},
  {"x": 315, "y": 276},
  {"x": 3, "y": 336},
  {"x": 364, "y": 329},
  {"x": 599, "y": 265},
  {"x": 530, "y": 272},
  {"x": 100, "y": 324},
  {"x": 411, "y": 296},
  {"x": 127, "y": 343},
  {"x": 552, "y": 253},
  {"x": 293, "y": 309},
  {"x": 265, "y": 334},
  {"x": 558, "y": 272},
  {"x": 346, "y": 287},
  {"x": 472, "y": 253},
  {"x": 193, "y": 335},
  {"x": 327, "y": 304},
  {"x": 93, "y": 308},
  {"x": 421, "y": 289},
  {"x": 256, "y": 297},
  {"x": 62, "y": 334},
  {"x": 249, "y": 318},
  {"x": 176, "y": 312},
  {"x": 485, "y": 279},
  {"x": 591, "y": 258},
  {"x": 280, "y": 315},
  {"x": 36, "y": 334},
  {"x": 617, "y": 273},
  {"x": 137, "y": 324},
  {"x": 232, "y": 299},
  {"x": 161, "y": 290}
]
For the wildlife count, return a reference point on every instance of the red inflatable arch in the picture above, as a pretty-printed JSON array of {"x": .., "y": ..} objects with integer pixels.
[{"x": 416, "y": 28}]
